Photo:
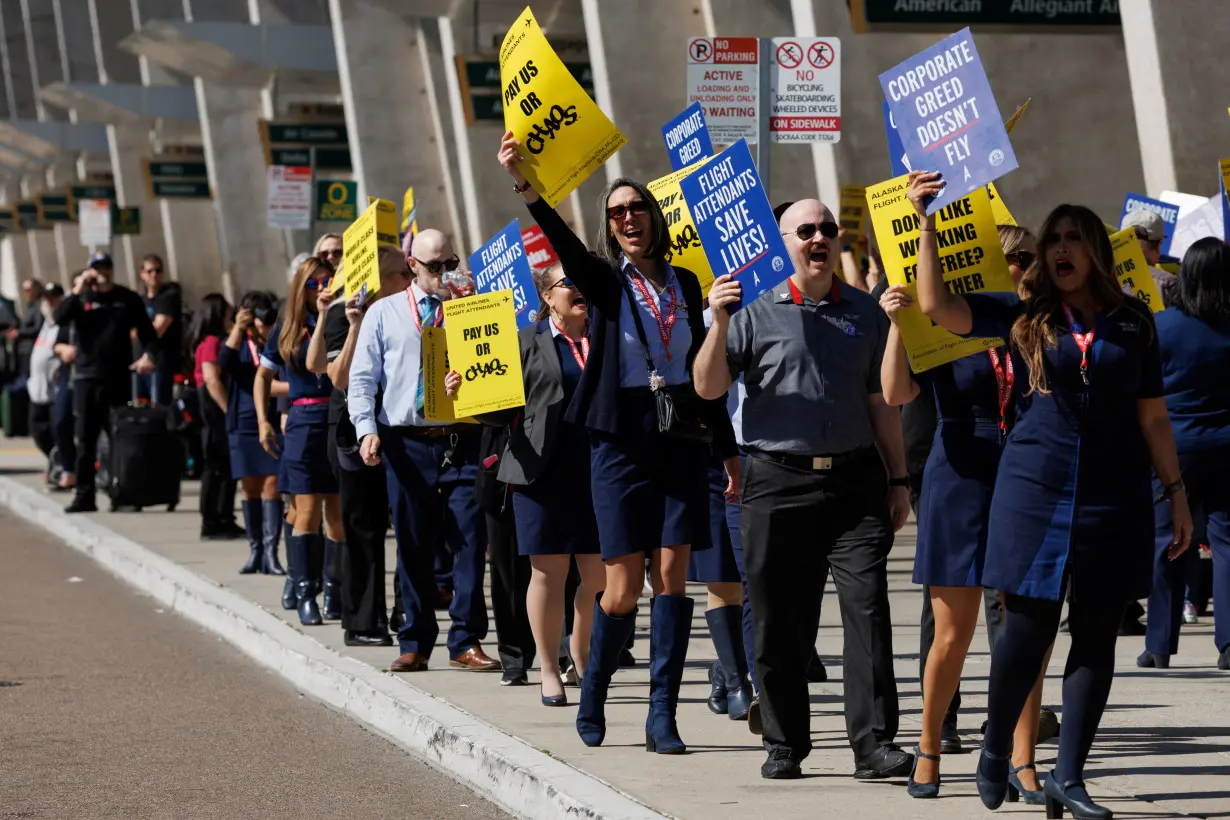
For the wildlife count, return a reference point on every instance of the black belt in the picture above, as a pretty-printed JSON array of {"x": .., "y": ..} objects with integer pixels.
[{"x": 816, "y": 464}]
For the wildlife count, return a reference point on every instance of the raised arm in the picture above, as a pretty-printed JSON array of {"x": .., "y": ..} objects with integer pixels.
[
  {"x": 711, "y": 374},
  {"x": 896, "y": 380},
  {"x": 316, "y": 359},
  {"x": 946, "y": 309},
  {"x": 341, "y": 358}
]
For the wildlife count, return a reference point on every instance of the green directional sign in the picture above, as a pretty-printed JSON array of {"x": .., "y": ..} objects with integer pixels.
[
  {"x": 53, "y": 208},
  {"x": 296, "y": 133},
  {"x": 337, "y": 200},
  {"x": 180, "y": 189},
  {"x": 327, "y": 159},
  {"x": 8, "y": 220},
  {"x": 178, "y": 170},
  {"x": 178, "y": 179},
  {"x": 125, "y": 221},
  {"x": 481, "y": 89},
  {"x": 27, "y": 216}
]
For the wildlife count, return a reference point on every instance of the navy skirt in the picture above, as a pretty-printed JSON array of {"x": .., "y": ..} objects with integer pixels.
[
  {"x": 716, "y": 565},
  {"x": 650, "y": 491},
  {"x": 248, "y": 458},
  {"x": 304, "y": 463},
  {"x": 954, "y": 509},
  {"x": 555, "y": 514}
]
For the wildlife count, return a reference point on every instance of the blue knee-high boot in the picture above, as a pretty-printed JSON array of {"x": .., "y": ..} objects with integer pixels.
[
  {"x": 253, "y": 520},
  {"x": 288, "y": 589},
  {"x": 331, "y": 603},
  {"x": 307, "y": 553},
  {"x": 670, "y": 625},
  {"x": 606, "y": 640},
  {"x": 726, "y": 629},
  {"x": 270, "y": 533}
]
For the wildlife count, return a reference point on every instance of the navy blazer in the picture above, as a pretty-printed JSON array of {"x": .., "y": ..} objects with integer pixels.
[{"x": 596, "y": 403}]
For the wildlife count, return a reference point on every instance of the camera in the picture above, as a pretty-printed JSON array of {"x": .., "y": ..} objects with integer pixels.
[{"x": 267, "y": 316}]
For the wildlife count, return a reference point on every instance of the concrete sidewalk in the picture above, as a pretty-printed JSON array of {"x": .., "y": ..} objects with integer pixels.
[{"x": 1163, "y": 751}]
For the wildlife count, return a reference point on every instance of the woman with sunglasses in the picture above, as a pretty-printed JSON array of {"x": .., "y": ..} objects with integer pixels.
[
  {"x": 973, "y": 407},
  {"x": 546, "y": 465},
  {"x": 254, "y": 468},
  {"x": 1073, "y": 501},
  {"x": 304, "y": 460},
  {"x": 329, "y": 249},
  {"x": 650, "y": 489}
]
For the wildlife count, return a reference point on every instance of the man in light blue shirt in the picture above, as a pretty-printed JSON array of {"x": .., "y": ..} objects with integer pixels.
[{"x": 430, "y": 467}]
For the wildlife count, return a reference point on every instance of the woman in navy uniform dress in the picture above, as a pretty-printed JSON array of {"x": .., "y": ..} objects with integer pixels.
[
  {"x": 255, "y": 469},
  {"x": 650, "y": 489},
  {"x": 973, "y": 399},
  {"x": 1194, "y": 335},
  {"x": 1073, "y": 499},
  {"x": 304, "y": 470},
  {"x": 546, "y": 466}
]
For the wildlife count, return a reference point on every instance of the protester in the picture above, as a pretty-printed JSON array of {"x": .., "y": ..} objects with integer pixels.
[
  {"x": 43, "y": 378},
  {"x": 103, "y": 315},
  {"x": 31, "y": 322},
  {"x": 546, "y": 463},
  {"x": 1087, "y": 428},
  {"x": 63, "y": 420},
  {"x": 254, "y": 468},
  {"x": 303, "y": 459},
  {"x": 211, "y": 323},
  {"x": 1194, "y": 338},
  {"x": 430, "y": 466},
  {"x": 650, "y": 487},
  {"x": 329, "y": 249},
  {"x": 817, "y": 432},
  {"x": 1151, "y": 232},
  {"x": 164, "y": 305}
]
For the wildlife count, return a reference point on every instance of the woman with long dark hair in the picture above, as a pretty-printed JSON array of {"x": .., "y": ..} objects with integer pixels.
[
  {"x": 254, "y": 469},
  {"x": 650, "y": 487},
  {"x": 210, "y": 325},
  {"x": 1072, "y": 508},
  {"x": 1194, "y": 336},
  {"x": 304, "y": 470}
]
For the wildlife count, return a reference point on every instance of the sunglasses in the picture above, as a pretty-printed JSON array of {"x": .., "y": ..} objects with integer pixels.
[
  {"x": 806, "y": 232},
  {"x": 333, "y": 254},
  {"x": 638, "y": 206},
  {"x": 1022, "y": 259},
  {"x": 563, "y": 283},
  {"x": 437, "y": 267},
  {"x": 318, "y": 284}
]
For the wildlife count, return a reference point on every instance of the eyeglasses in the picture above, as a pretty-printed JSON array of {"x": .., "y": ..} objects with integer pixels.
[
  {"x": 563, "y": 283},
  {"x": 153, "y": 270},
  {"x": 333, "y": 254},
  {"x": 1022, "y": 259},
  {"x": 318, "y": 284},
  {"x": 635, "y": 207},
  {"x": 807, "y": 231},
  {"x": 441, "y": 265}
]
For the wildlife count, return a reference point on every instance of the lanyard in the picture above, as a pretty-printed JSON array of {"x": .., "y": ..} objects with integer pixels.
[
  {"x": 1083, "y": 340},
  {"x": 414, "y": 313},
  {"x": 666, "y": 328},
  {"x": 582, "y": 355},
  {"x": 256, "y": 359},
  {"x": 1005, "y": 377}
]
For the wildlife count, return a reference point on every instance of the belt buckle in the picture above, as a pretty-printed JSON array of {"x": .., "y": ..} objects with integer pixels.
[{"x": 822, "y": 463}]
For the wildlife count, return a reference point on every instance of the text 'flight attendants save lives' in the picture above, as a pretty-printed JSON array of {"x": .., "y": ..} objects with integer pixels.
[
  {"x": 947, "y": 119},
  {"x": 735, "y": 222}
]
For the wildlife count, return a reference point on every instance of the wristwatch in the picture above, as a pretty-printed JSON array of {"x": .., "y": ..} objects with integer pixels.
[
  {"x": 899, "y": 482},
  {"x": 1170, "y": 490},
  {"x": 522, "y": 188}
]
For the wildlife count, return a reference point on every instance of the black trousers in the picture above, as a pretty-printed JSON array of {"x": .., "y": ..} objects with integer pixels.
[
  {"x": 794, "y": 523},
  {"x": 92, "y": 403},
  {"x": 217, "y": 486},
  {"x": 41, "y": 427},
  {"x": 364, "y": 497},
  {"x": 510, "y": 580}
]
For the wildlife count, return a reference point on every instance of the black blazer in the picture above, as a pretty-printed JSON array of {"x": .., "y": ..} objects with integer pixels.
[{"x": 596, "y": 402}]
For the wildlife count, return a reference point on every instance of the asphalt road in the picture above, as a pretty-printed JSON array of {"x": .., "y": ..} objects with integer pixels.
[{"x": 112, "y": 707}]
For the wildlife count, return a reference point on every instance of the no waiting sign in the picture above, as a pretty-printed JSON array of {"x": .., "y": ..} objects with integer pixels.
[
  {"x": 805, "y": 84},
  {"x": 724, "y": 77}
]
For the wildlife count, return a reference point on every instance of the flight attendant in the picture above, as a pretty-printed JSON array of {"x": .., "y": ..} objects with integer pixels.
[
  {"x": 650, "y": 488},
  {"x": 255, "y": 469},
  {"x": 304, "y": 459},
  {"x": 1073, "y": 500},
  {"x": 973, "y": 399},
  {"x": 1194, "y": 336}
]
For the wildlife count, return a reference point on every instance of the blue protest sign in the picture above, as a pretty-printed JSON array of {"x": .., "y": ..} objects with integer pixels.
[
  {"x": 947, "y": 118},
  {"x": 1225, "y": 213},
  {"x": 687, "y": 137},
  {"x": 735, "y": 223},
  {"x": 898, "y": 162},
  {"x": 501, "y": 264},
  {"x": 1168, "y": 211}
]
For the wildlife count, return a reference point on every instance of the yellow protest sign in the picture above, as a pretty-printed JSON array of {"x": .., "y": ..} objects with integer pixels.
[
  {"x": 685, "y": 250},
  {"x": 1224, "y": 166},
  {"x": 386, "y": 221},
  {"x": 853, "y": 211},
  {"x": 1010, "y": 123},
  {"x": 970, "y": 257},
  {"x": 564, "y": 135},
  {"x": 437, "y": 406},
  {"x": 483, "y": 348},
  {"x": 999, "y": 210},
  {"x": 1132, "y": 270},
  {"x": 409, "y": 213},
  {"x": 361, "y": 270}
]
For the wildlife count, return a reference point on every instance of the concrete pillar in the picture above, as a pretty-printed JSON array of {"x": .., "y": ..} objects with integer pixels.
[
  {"x": 129, "y": 144},
  {"x": 395, "y": 135},
  {"x": 44, "y": 264},
  {"x": 70, "y": 256},
  {"x": 42, "y": 43},
  {"x": 1181, "y": 133}
]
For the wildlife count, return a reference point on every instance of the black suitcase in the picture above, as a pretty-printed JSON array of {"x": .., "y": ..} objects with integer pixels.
[
  {"x": 15, "y": 409},
  {"x": 146, "y": 457}
]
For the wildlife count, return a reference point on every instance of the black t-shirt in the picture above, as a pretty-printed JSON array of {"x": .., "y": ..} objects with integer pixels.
[
  {"x": 918, "y": 421},
  {"x": 103, "y": 322},
  {"x": 168, "y": 302}
]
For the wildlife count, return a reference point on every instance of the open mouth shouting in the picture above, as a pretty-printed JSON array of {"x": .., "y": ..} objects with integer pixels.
[{"x": 1064, "y": 267}]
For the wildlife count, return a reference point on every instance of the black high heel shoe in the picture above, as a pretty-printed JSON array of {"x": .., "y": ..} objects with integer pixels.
[
  {"x": 992, "y": 790},
  {"x": 1017, "y": 791},
  {"x": 922, "y": 790},
  {"x": 553, "y": 700},
  {"x": 1080, "y": 806}
]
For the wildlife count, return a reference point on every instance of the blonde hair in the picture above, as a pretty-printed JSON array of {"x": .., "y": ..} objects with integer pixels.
[
  {"x": 1011, "y": 237},
  {"x": 325, "y": 237},
  {"x": 294, "y": 313},
  {"x": 544, "y": 278}
]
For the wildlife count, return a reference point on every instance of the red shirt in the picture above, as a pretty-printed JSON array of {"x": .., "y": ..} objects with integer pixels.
[{"x": 206, "y": 351}]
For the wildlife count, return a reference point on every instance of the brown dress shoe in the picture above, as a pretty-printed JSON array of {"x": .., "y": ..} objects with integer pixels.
[
  {"x": 475, "y": 660},
  {"x": 409, "y": 662}
]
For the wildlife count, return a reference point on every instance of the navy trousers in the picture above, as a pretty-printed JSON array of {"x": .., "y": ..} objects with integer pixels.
[
  {"x": 423, "y": 490},
  {"x": 1206, "y": 475}
]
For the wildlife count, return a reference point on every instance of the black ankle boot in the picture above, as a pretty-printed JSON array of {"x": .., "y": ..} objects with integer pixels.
[
  {"x": 726, "y": 629},
  {"x": 253, "y": 524}
]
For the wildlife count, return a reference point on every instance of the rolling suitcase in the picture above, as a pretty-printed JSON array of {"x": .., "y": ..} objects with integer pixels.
[
  {"x": 146, "y": 456},
  {"x": 15, "y": 409}
]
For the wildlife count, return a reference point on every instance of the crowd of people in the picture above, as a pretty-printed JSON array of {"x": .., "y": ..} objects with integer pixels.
[{"x": 667, "y": 438}]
